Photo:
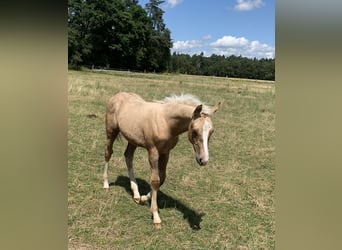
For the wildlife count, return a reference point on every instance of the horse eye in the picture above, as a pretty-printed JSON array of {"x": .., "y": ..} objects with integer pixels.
[{"x": 194, "y": 134}]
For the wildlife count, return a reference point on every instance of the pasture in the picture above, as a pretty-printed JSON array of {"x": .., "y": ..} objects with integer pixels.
[{"x": 227, "y": 204}]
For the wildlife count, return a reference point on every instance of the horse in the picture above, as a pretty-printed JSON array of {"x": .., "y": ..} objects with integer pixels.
[{"x": 156, "y": 126}]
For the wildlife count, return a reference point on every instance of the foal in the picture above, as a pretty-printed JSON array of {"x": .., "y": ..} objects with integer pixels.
[{"x": 156, "y": 126}]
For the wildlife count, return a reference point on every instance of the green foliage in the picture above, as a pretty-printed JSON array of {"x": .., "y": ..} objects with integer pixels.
[
  {"x": 215, "y": 65},
  {"x": 117, "y": 34},
  {"x": 156, "y": 15}
]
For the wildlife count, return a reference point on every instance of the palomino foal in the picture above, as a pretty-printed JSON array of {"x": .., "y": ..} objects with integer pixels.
[{"x": 156, "y": 127}]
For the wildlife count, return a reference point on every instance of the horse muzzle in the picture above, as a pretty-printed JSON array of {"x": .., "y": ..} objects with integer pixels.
[{"x": 202, "y": 161}]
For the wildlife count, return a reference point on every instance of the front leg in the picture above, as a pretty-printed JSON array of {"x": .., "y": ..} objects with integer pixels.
[{"x": 155, "y": 183}]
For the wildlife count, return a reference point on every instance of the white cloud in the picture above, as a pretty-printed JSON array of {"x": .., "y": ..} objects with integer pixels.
[
  {"x": 247, "y": 5},
  {"x": 185, "y": 45},
  {"x": 228, "y": 41},
  {"x": 173, "y": 3},
  {"x": 229, "y": 45}
]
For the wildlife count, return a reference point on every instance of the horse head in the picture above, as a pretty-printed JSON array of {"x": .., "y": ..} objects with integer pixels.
[{"x": 199, "y": 132}]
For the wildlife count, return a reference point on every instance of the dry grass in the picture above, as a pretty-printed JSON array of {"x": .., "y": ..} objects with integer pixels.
[{"x": 228, "y": 204}]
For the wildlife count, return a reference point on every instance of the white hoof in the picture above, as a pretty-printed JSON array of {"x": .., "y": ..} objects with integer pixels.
[
  {"x": 106, "y": 185},
  {"x": 137, "y": 200},
  {"x": 146, "y": 197}
]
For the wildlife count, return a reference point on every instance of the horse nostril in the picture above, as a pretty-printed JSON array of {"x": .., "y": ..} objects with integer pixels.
[{"x": 201, "y": 161}]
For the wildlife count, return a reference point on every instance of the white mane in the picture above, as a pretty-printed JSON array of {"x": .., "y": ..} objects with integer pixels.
[{"x": 187, "y": 99}]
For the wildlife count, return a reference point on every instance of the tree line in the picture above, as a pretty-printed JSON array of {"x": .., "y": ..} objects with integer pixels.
[
  {"x": 220, "y": 65},
  {"x": 123, "y": 34}
]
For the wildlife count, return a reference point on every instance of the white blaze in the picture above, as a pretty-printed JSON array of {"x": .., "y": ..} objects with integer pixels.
[{"x": 206, "y": 129}]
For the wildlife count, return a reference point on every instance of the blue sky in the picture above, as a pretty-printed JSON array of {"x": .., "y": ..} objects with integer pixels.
[{"x": 223, "y": 27}]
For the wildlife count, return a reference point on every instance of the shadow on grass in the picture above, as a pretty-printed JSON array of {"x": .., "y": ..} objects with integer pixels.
[{"x": 164, "y": 201}]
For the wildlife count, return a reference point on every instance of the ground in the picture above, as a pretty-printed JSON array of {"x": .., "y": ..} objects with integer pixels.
[{"x": 228, "y": 204}]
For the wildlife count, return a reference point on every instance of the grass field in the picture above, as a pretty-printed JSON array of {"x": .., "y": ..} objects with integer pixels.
[{"x": 228, "y": 204}]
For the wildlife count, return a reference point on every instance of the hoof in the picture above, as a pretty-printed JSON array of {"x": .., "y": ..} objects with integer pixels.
[
  {"x": 137, "y": 200},
  {"x": 145, "y": 198},
  {"x": 106, "y": 189},
  {"x": 157, "y": 225}
]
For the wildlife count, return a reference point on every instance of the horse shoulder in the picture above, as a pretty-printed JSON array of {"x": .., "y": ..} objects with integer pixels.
[{"x": 164, "y": 137}]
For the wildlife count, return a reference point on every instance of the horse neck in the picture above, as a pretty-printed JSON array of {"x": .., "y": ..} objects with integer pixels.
[{"x": 179, "y": 117}]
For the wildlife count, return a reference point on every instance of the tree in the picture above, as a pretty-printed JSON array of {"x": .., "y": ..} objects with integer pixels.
[
  {"x": 160, "y": 42},
  {"x": 118, "y": 34},
  {"x": 156, "y": 15},
  {"x": 79, "y": 41}
]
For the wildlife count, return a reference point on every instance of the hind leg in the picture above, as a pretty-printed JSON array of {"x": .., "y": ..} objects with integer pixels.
[
  {"x": 153, "y": 157},
  {"x": 111, "y": 136},
  {"x": 129, "y": 153}
]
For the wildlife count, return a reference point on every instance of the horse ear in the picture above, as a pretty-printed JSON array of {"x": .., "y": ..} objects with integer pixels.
[
  {"x": 215, "y": 108},
  {"x": 197, "y": 112}
]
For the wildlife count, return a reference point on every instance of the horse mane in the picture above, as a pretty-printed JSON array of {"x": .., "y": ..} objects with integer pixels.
[{"x": 186, "y": 99}]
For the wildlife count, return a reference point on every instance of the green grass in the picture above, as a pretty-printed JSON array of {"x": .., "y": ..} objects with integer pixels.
[{"x": 228, "y": 204}]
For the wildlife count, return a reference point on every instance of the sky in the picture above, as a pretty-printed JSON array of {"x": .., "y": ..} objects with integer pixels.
[{"x": 221, "y": 27}]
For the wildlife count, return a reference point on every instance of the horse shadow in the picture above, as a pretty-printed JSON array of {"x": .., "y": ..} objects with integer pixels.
[{"x": 164, "y": 201}]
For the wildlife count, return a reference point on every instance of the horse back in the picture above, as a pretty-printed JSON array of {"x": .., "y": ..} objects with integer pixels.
[{"x": 140, "y": 122}]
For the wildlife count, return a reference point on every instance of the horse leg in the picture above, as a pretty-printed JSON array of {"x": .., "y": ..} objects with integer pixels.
[
  {"x": 162, "y": 162},
  {"x": 155, "y": 183},
  {"x": 129, "y": 153},
  {"x": 111, "y": 135}
]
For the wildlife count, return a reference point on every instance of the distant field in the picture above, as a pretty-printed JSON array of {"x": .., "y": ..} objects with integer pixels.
[{"x": 228, "y": 204}]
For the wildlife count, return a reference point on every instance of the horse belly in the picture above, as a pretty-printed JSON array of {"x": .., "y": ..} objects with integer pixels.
[{"x": 132, "y": 133}]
